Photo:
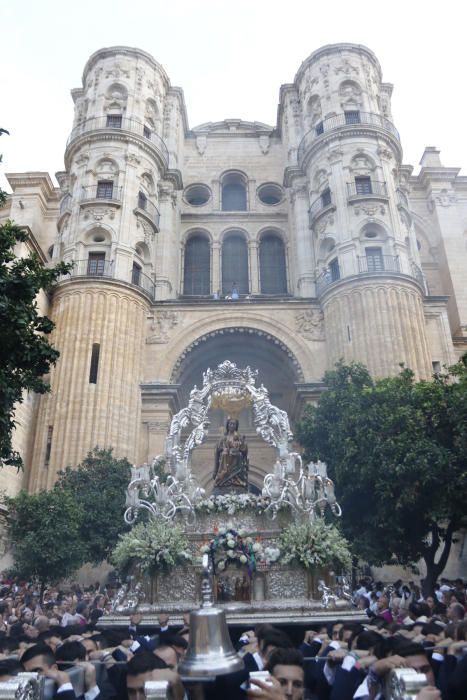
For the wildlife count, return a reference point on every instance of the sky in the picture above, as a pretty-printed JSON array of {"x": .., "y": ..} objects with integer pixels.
[{"x": 230, "y": 58}]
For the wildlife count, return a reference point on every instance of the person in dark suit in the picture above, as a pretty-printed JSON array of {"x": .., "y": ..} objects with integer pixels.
[{"x": 40, "y": 659}]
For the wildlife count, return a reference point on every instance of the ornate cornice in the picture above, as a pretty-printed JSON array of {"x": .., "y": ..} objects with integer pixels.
[
  {"x": 114, "y": 135},
  {"x": 17, "y": 181},
  {"x": 130, "y": 52},
  {"x": 335, "y": 49}
]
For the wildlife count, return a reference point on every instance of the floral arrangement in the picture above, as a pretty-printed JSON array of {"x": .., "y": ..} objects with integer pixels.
[
  {"x": 233, "y": 503},
  {"x": 314, "y": 545},
  {"x": 230, "y": 546},
  {"x": 150, "y": 547}
]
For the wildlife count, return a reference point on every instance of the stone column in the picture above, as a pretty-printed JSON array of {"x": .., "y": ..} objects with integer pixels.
[
  {"x": 251, "y": 195},
  {"x": 159, "y": 403},
  {"x": 216, "y": 203},
  {"x": 215, "y": 266},
  {"x": 254, "y": 276},
  {"x": 167, "y": 247},
  {"x": 302, "y": 240}
]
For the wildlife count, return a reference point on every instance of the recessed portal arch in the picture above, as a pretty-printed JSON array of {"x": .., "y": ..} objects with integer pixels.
[{"x": 278, "y": 369}]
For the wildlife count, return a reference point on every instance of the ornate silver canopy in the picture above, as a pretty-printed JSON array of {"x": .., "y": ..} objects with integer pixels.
[{"x": 304, "y": 489}]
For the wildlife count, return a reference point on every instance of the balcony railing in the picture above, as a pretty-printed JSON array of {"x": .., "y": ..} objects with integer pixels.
[
  {"x": 148, "y": 209},
  {"x": 93, "y": 192},
  {"x": 97, "y": 268},
  {"x": 322, "y": 202},
  {"x": 373, "y": 188},
  {"x": 340, "y": 120},
  {"x": 372, "y": 265},
  {"x": 378, "y": 263},
  {"x": 126, "y": 124}
]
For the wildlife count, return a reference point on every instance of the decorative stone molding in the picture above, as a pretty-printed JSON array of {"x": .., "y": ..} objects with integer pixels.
[
  {"x": 369, "y": 209},
  {"x": 335, "y": 156},
  {"x": 157, "y": 426},
  {"x": 132, "y": 159},
  {"x": 385, "y": 153},
  {"x": 346, "y": 67},
  {"x": 149, "y": 232},
  {"x": 161, "y": 324},
  {"x": 98, "y": 213},
  {"x": 118, "y": 70},
  {"x": 201, "y": 144},
  {"x": 321, "y": 226},
  {"x": 446, "y": 198},
  {"x": 310, "y": 324},
  {"x": 264, "y": 143}
]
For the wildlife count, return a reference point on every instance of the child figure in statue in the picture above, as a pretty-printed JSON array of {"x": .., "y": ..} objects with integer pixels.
[{"x": 231, "y": 461}]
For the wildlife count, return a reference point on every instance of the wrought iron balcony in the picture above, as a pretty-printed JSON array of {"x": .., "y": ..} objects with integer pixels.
[
  {"x": 324, "y": 201},
  {"x": 338, "y": 121},
  {"x": 107, "y": 194},
  {"x": 372, "y": 188},
  {"x": 371, "y": 265},
  {"x": 104, "y": 269},
  {"x": 123, "y": 124},
  {"x": 146, "y": 208}
]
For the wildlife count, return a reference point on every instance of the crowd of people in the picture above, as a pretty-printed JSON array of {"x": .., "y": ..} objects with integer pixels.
[{"x": 59, "y": 631}]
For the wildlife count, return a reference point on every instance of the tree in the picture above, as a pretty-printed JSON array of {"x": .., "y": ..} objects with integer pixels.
[
  {"x": 25, "y": 352},
  {"x": 397, "y": 450},
  {"x": 45, "y": 535},
  {"x": 98, "y": 485}
]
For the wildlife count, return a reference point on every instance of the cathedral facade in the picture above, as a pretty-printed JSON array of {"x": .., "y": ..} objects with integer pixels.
[{"x": 283, "y": 247}]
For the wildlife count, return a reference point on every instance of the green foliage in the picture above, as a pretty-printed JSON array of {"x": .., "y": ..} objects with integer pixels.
[
  {"x": 314, "y": 545},
  {"x": 44, "y": 533},
  {"x": 99, "y": 485},
  {"x": 151, "y": 547},
  {"x": 397, "y": 451},
  {"x": 25, "y": 352}
]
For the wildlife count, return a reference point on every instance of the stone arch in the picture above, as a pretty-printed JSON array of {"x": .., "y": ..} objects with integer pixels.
[
  {"x": 350, "y": 94},
  {"x": 272, "y": 229},
  {"x": 101, "y": 228},
  {"x": 143, "y": 252},
  {"x": 148, "y": 183},
  {"x": 233, "y": 174},
  {"x": 326, "y": 246},
  {"x": 228, "y": 330},
  {"x": 116, "y": 96},
  {"x": 234, "y": 230},
  {"x": 375, "y": 226},
  {"x": 106, "y": 167},
  {"x": 313, "y": 109},
  {"x": 362, "y": 163},
  {"x": 234, "y": 190},
  {"x": 151, "y": 113},
  {"x": 195, "y": 231},
  {"x": 320, "y": 179}
]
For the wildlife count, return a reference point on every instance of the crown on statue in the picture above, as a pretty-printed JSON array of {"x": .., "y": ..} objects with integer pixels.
[{"x": 229, "y": 386}]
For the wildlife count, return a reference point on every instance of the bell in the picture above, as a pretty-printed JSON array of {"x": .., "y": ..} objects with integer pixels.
[{"x": 210, "y": 651}]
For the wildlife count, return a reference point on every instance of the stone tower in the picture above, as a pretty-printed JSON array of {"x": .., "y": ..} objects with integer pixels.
[
  {"x": 116, "y": 167},
  {"x": 345, "y": 161}
]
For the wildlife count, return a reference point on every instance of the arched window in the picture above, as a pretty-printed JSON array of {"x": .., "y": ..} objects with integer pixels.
[
  {"x": 197, "y": 268},
  {"x": 235, "y": 264},
  {"x": 273, "y": 275},
  {"x": 233, "y": 193}
]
